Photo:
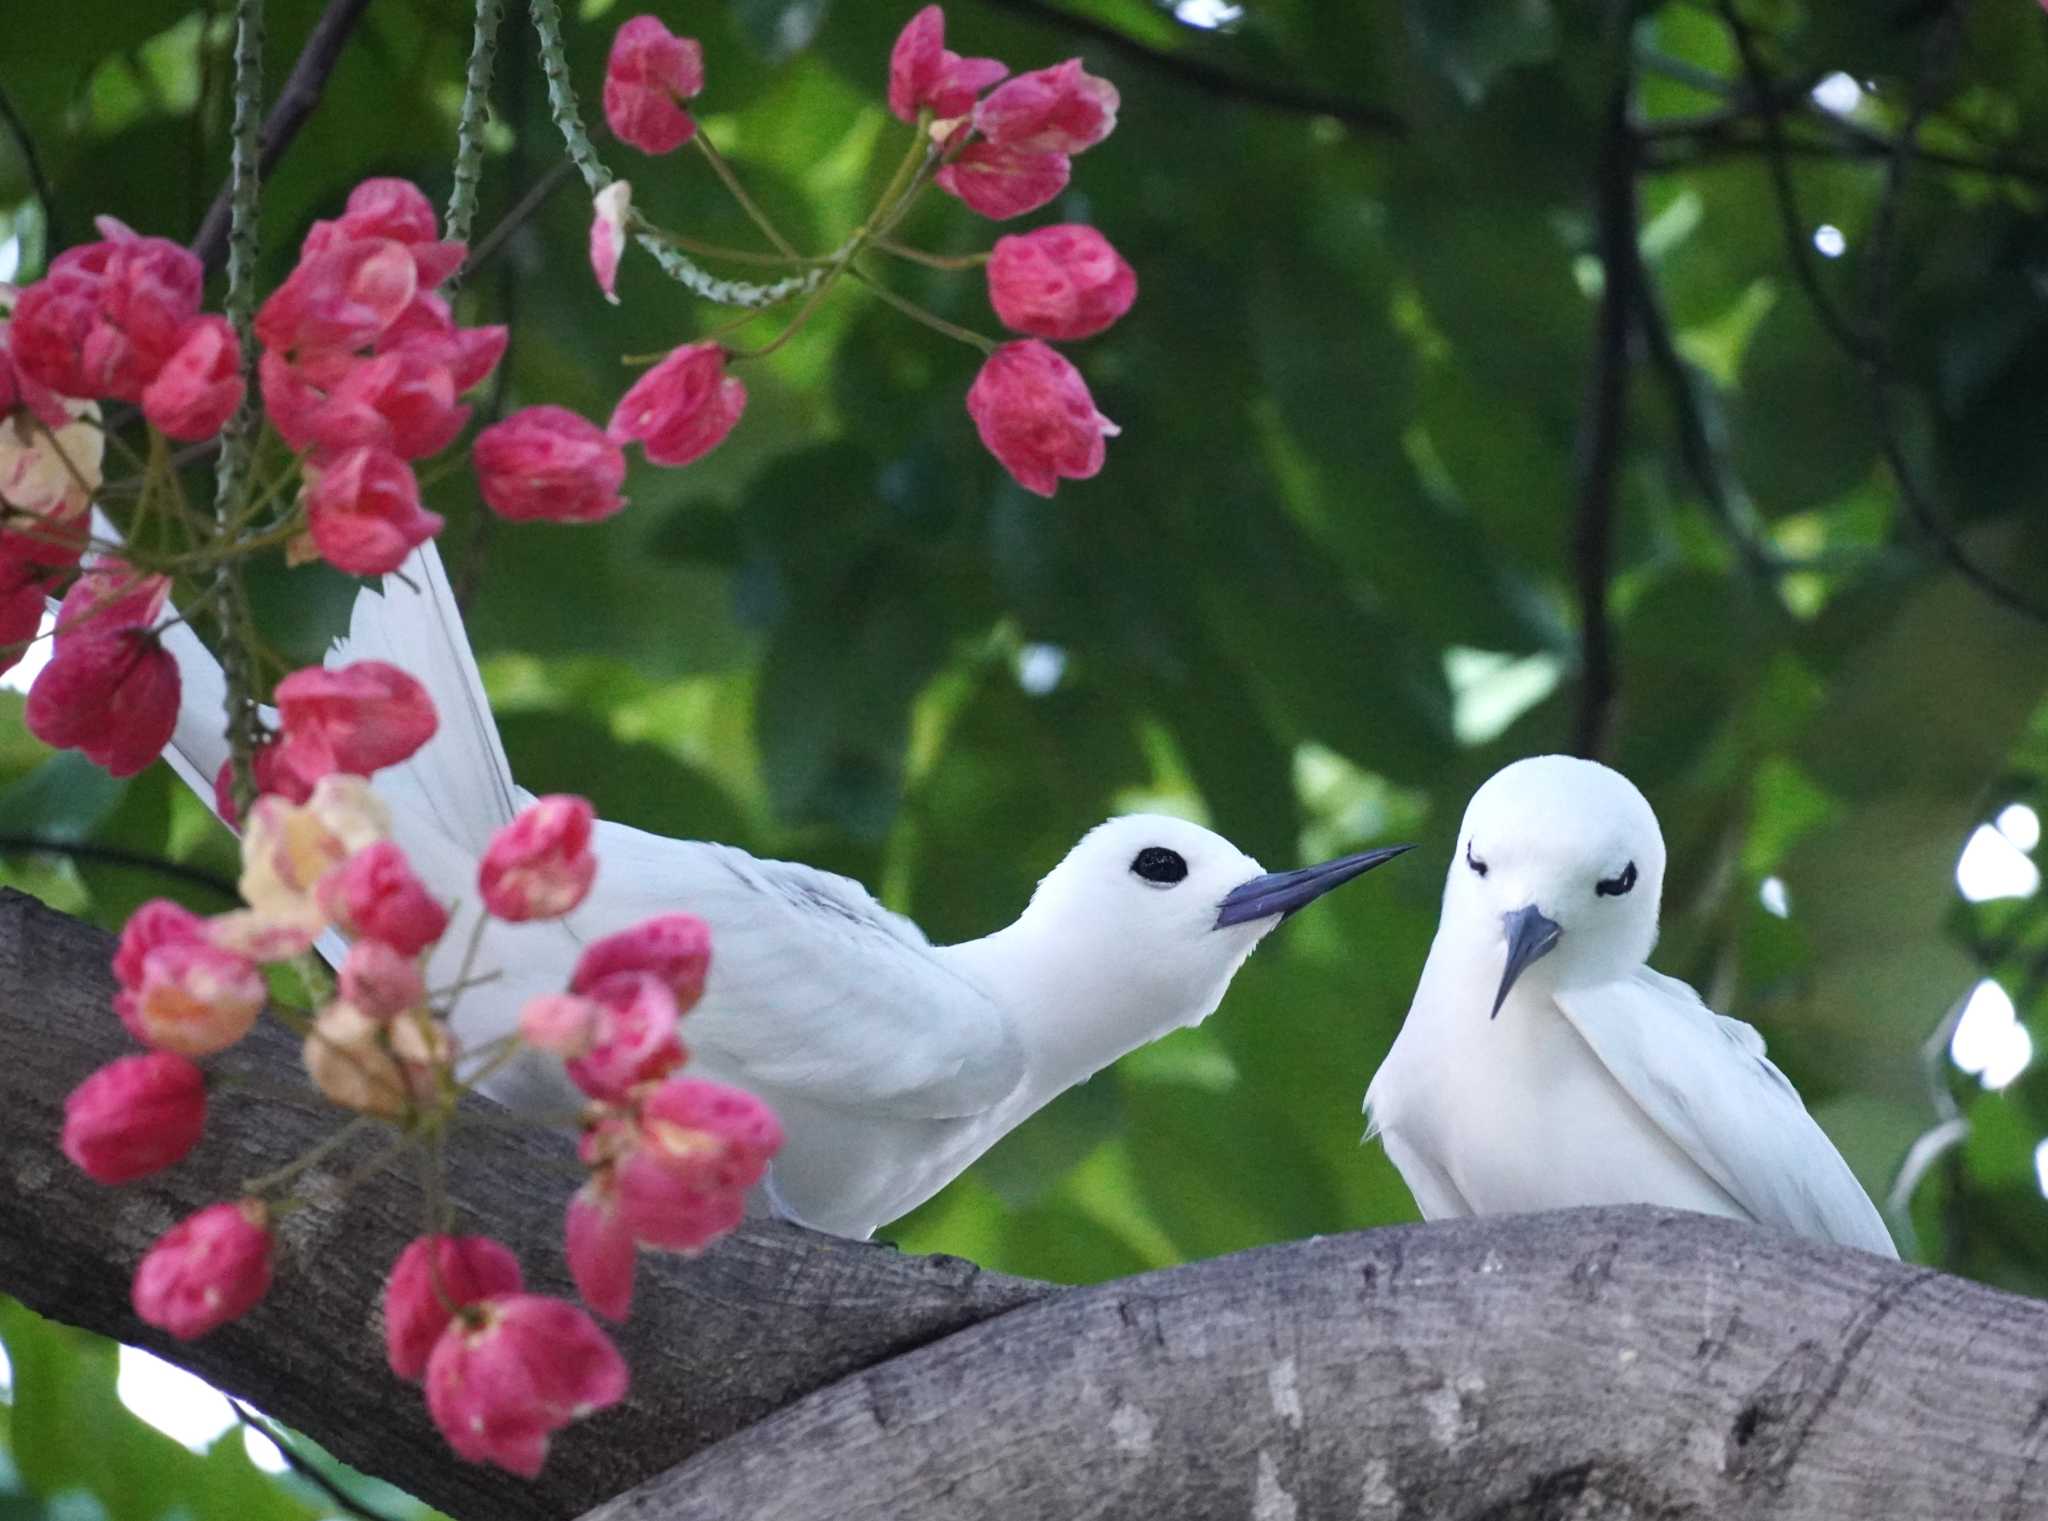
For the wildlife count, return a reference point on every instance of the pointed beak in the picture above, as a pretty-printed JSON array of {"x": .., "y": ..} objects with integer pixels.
[
  {"x": 1531, "y": 937},
  {"x": 1282, "y": 892}
]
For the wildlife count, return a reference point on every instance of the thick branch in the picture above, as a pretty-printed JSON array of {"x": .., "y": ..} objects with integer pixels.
[
  {"x": 32, "y": 161},
  {"x": 1221, "y": 83},
  {"x": 716, "y": 1343},
  {"x": 1610, "y": 1363},
  {"x": 295, "y": 102}
]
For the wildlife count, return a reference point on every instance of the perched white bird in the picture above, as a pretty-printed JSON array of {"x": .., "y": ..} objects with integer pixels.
[
  {"x": 1543, "y": 1065},
  {"x": 892, "y": 1063}
]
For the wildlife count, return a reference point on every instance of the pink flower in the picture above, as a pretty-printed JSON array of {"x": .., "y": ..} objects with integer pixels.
[
  {"x": 924, "y": 75},
  {"x": 206, "y": 1270},
  {"x": 608, "y": 235},
  {"x": 562, "y": 1023},
  {"x": 21, "y": 611},
  {"x": 110, "y": 691},
  {"x": 157, "y": 922},
  {"x": 274, "y": 768},
  {"x": 600, "y": 1248},
  {"x": 380, "y": 979},
  {"x": 375, "y": 893},
  {"x": 135, "y": 1116},
  {"x": 539, "y": 866},
  {"x": 634, "y": 1038},
  {"x": 1059, "y": 282},
  {"x": 1001, "y": 183},
  {"x": 363, "y": 508},
  {"x": 697, "y": 1148},
  {"x": 674, "y": 947},
  {"x": 403, "y": 399},
  {"x": 681, "y": 409},
  {"x": 200, "y": 385},
  {"x": 108, "y": 315},
  {"x": 1035, "y": 415},
  {"x": 512, "y": 1370},
  {"x": 192, "y": 997},
  {"x": 650, "y": 69},
  {"x": 1062, "y": 109},
  {"x": 396, "y": 209},
  {"x": 342, "y": 294},
  {"x": 358, "y": 718},
  {"x": 547, "y": 462},
  {"x": 434, "y": 1279},
  {"x": 427, "y": 326}
]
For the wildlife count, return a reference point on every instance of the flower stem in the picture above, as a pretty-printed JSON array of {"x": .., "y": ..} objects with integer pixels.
[
  {"x": 738, "y": 192},
  {"x": 929, "y": 260},
  {"x": 917, "y": 313},
  {"x": 705, "y": 250},
  {"x": 469, "y": 130},
  {"x": 315, "y": 1155}
]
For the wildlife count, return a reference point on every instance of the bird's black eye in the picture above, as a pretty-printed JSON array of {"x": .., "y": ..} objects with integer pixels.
[
  {"x": 1478, "y": 866},
  {"x": 1614, "y": 887},
  {"x": 1160, "y": 866}
]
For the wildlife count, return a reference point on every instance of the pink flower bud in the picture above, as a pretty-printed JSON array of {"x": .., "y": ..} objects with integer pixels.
[
  {"x": 608, "y": 235},
  {"x": 206, "y": 1270},
  {"x": 276, "y": 768},
  {"x": 650, "y": 69},
  {"x": 674, "y": 947},
  {"x": 157, "y": 922},
  {"x": 1059, "y": 282},
  {"x": 698, "y": 1147},
  {"x": 375, "y": 893},
  {"x": 634, "y": 1040},
  {"x": 381, "y": 980},
  {"x": 681, "y": 409},
  {"x": 539, "y": 866},
  {"x": 396, "y": 209},
  {"x": 107, "y": 316},
  {"x": 200, "y": 385},
  {"x": 361, "y": 717},
  {"x": 22, "y": 595},
  {"x": 1063, "y": 109},
  {"x": 135, "y": 1116},
  {"x": 925, "y": 75},
  {"x": 109, "y": 690},
  {"x": 563, "y": 1023},
  {"x": 513, "y": 1370},
  {"x": 599, "y": 1246},
  {"x": 342, "y": 294},
  {"x": 547, "y": 462},
  {"x": 433, "y": 1279},
  {"x": 376, "y": 1065},
  {"x": 363, "y": 508},
  {"x": 1000, "y": 182},
  {"x": 192, "y": 997},
  {"x": 1035, "y": 415}
]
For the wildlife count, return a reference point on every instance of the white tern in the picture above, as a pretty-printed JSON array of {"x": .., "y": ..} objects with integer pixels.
[
  {"x": 892, "y": 1063},
  {"x": 1543, "y": 1065}
]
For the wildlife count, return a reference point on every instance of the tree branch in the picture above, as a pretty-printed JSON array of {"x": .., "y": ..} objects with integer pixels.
[
  {"x": 716, "y": 1343},
  {"x": 1221, "y": 83},
  {"x": 1612, "y": 1362},
  {"x": 115, "y": 855},
  {"x": 1600, "y": 432},
  {"x": 295, "y": 102},
  {"x": 24, "y": 141}
]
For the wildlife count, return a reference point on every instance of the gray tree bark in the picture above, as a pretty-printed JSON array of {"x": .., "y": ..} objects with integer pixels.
[{"x": 1611, "y": 1363}]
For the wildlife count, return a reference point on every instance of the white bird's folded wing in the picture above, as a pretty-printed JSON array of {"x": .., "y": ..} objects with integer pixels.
[
  {"x": 815, "y": 989},
  {"x": 1703, "y": 1079}
]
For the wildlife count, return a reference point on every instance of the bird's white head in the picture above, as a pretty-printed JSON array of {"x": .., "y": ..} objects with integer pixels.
[
  {"x": 1141, "y": 927},
  {"x": 1561, "y": 865}
]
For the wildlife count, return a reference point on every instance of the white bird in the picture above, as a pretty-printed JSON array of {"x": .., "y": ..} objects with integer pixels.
[
  {"x": 892, "y": 1063},
  {"x": 1542, "y": 1065}
]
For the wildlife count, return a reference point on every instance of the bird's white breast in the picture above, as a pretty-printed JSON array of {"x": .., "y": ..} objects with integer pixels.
[{"x": 1517, "y": 1113}]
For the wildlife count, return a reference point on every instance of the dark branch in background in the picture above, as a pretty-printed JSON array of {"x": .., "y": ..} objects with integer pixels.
[
  {"x": 1222, "y": 83},
  {"x": 295, "y": 102},
  {"x": 53, "y": 232},
  {"x": 528, "y": 207},
  {"x": 115, "y": 855},
  {"x": 1600, "y": 429}
]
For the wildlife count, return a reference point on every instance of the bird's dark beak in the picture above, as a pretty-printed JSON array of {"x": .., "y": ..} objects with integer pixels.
[
  {"x": 1531, "y": 937},
  {"x": 1282, "y": 892}
]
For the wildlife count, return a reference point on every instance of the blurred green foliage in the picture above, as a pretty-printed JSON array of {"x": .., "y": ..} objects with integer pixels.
[{"x": 1326, "y": 583}]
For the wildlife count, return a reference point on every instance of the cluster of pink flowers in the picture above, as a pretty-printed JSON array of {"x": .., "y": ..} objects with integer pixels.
[{"x": 670, "y": 1157}]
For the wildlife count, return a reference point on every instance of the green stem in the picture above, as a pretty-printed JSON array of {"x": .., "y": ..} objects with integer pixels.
[
  {"x": 704, "y": 250},
  {"x": 317, "y": 1154},
  {"x": 917, "y": 313},
  {"x": 929, "y": 260},
  {"x": 239, "y": 436},
  {"x": 469, "y": 130},
  {"x": 738, "y": 192}
]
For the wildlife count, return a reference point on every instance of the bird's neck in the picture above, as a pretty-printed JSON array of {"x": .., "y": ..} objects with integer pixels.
[{"x": 1075, "y": 1009}]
